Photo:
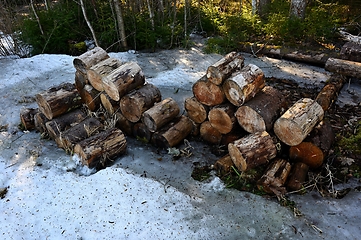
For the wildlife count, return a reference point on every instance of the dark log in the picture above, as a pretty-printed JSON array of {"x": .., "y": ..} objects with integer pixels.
[
  {"x": 224, "y": 165},
  {"x": 222, "y": 69},
  {"x": 91, "y": 97},
  {"x": 322, "y": 136},
  {"x": 101, "y": 149},
  {"x": 89, "y": 58},
  {"x": 196, "y": 111},
  {"x": 260, "y": 113},
  {"x": 81, "y": 80},
  {"x": 123, "y": 79},
  {"x": 351, "y": 51},
  {"x": 243, "y": 85},
  {"x": 209, "y": 134},
  {"x": 58, "y": 100},
  {"x": 222, "y": 117},
  {"x": 97, "y": 72},
  {"x": 40, "y": 122},
  {"x": 236, "y": 133},
  {"x": 274, "y": 178},
  {"x": 298, "y": 121},
  {"x": 124, "y": 124},
  {"x": 141, "y": 132},
  {"x": 252, "y": 150},
  {"x": 109, "y": 104},
  {"x": 195, "y": 128},
  {"x": 160, "y": 114},
  {"x": 330, "y": 91},
  {"x": 297, "y": 176},
  {"x": 173, "y": 133},
  {"x": 135, "y": 103},
  {"x": 208, "y": 93},
  {"x": 27, "y": 117},
  {"x": 344, "y": 67}
]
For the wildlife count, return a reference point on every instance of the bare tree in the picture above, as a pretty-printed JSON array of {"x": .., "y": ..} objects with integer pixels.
[
  {"x": 120, "y": 23},
  {"x": 36, "y": 16},
  {"x": 259, "y": 6},
  {"x": 298, "y": 9},
  {"x": 88, "y": 23}
]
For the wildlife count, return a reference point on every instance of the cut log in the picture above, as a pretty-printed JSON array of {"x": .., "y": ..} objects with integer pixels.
[
  {"x": 224, "y": 165},
  {"x": 252, "y": 150},
  {"x": 27, "y": 117},
  {"x": 222, "y": 69},
  {"x": 135, "y": 103},
  {"x": 274, "y": 179},
  {"x": 195, "y": 129},
  {"x": 58, "y": 100},
  {"x": 124, "y": 124},
  {"x": 222, "y": 117},
  {"x": 208, "y": 93},
  {"x": 123, "y": 79},
  {"x": 330, "y": 91},
  {"x": 196, "y": 111},
  {"x": 236, "y": 133},
  {"x": 97, "y": 72},
  {"x": 142, "y": 133},
  {"x": 160, "y": 114},
  {"x": 109, "y": 104},
  {"x": 40, "y": 122},
  {"x": 344, "y": 67},
  {"x": 322, "y": 136},
  {"x": 89, "y": 58},
  {"x": 260, "y": 113},
  {"x": 297, "y": 176},
  {"x": 101, "y": 149},
  {"x": 81, "y": 80},
  {"x": 243, "y": 85},
  {"x": 173, "y": 133},
  {"x": 351, "y": 51},
  {"x": 307, "y": 153},
  {"x": 298, "y": 121},
  {"x": 90, "y": 97},
  {"x": 209, "y": 134}
]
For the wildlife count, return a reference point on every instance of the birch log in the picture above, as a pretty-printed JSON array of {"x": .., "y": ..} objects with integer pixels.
[
  {"x": 89, "y": 58},
  {"x": 208, "y": 93}
]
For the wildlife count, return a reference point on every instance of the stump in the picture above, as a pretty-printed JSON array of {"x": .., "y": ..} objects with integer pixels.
[
  {"x": 109, "y": 104},
  {"x": 196, "y": 111},
  {"x": 208, "y": 93},
  {"x": 89, "y": 58},
  {"x": 209, "y": 134},
  {"x": 222, "y": 117},
  {"x": 27, "y": 117},
  {"x": 90, "y": 97},
  {"x": 243, "y": 85},
  {"x": 344, "y": 67},
  {"x": 297, "y": 176}
]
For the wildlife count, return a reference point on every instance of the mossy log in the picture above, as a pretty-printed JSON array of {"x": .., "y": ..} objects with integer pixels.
[{"x": 85, "y": 61}]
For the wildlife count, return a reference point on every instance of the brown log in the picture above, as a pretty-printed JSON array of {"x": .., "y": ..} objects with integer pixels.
[
  {"x": 297, "y": 176},
  {"x": 40, "y": 122},
  {"x": 344, "y": 67},
  {"x": 173, "y": 133},
  {"x": 322, "y": 136},
  {"x": 109, "y": 104},
  {"x": 243, "y": 85},
  {"x": 236, "y": 133},
  {"x": 97, "y": 72},
  {"x": 209, "y": 134},
  {"x": 222, "y": 69},
  {"x": 142, "y": 133},
  {"x": 260, "y": 113},
  {"x": 351, "y": 51},
  {"x": 222, "y": 117},
  {"x": 195, "y": 129},
  {"x": 208, "y": 93},
  {"x": 196, "y": 111},
  {"x": 100, "y": 149},
  {"x": 89, "y": 58},
  {"x": 298, "y": 121},
  {"x": 27, "y": 117},
  {"x": 124, "y": 124},
  {"x": 81, "y": 80},
  {"x": 274, "y": 178},
  {"x": 58, "y": 100},
  {"x": 135, "y": 103},
  {"x": 252, "y": 150},
  {"x": 160, "y": 114},
  {"x": 224, "y": 165},
  {"x": 123, "y": 79},
  {"x": 330, "y": 91},
  {"x": 91, "y": 97}
]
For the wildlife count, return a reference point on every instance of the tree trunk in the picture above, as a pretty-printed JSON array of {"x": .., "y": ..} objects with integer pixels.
[
  {"x": 259, "y": 6},
  {"x": 36, "y": 17},
  {"x": 222, "y": 69},
  {"x": 209, "y": 134},
  {"x": 97, "y": 72},
  {"x": 124, "y": 124},
  {"x": 244, "y": 85},
  {"x": 297, "y": 176},
  {"x": 329, "y": 93},
  {"x": 208, "y": 93},
  {"x": 142, "y": 133},
  {"x": 101, "y": 149},
  {"x": 124, "y": 79},
  {"x": 40, "y": 122},
  {"x": 351, "y": 51},
  {"x": 224, "y": 165},
  {"x": 90, "y": 97},
  {"x": 298, "y": 9},
  {"x": 88, "y": 23},
  {"x": 27, "y": 117},
  {"x": 109, "y": 104},
  {"x": 135, "y": 103},
  {"x": 120, "y": 23},
  {"x": 222, "y": 117},
  {"x": 160, "y": 114},
  {"x": 252, "y": 150},
  {"x": 88, "y": 59},
  {"x": 58, "y": 100},
  {"x": 260, "y": 113},
  {"x": 196, "y": 111},
  {"x": 344, "y": 67}
]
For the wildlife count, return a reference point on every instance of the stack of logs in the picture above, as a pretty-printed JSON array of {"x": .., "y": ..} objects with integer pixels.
[
  {"x": 118, "y": 102},
  {"x": 232, "y": 106}
]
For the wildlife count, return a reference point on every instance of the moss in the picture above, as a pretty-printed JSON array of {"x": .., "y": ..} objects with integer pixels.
[{"x": 352, "y": 143}]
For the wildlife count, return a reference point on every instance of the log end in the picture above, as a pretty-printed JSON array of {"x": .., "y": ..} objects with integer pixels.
[
  {"x": 44, "y": 107},
  {"x": 288, "y": 132},
  {"x": 250, "y": 120},
  {"x": 237, "y": 158},
  {"x": 307, "y": 153}
]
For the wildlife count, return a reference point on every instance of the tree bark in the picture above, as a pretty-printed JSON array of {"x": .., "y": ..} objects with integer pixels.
[
  {"x": 260, "y": 113},
  {"x": 40, "y": 122},
  {"x": 298, "y": 121},
  {"x": 109, "y": 104},
  {"x": 135, "y": 103},
  {"x": 88, "y": 59},
  {"x": 196, "y": 111},
  {"x": 27, "y": 117},
  {"x": 329, "y": 93},
  {"x": 142, "y": 133},
  {"x": 222, "y": 69},
  {"x": 124, "y": 124},
  {"x": 344, "y": 67},
  {"x": 222, "y": 117},
  {"x": 297, "y": 176},
  {"x": 244, "y": 85},
  {"x": 224, "y": 165},
  {"x": 252, "y": 150},
  {"x": 88, "y": 23},
  {"x": 298, "y": 9},
  {"x": 91, "y": 97},
  {"x": 209, "y": 134},
  {"x": 58, "y": 100},
  {"x": 120, "y": 23},
  {"x": 208, "y": 93}
]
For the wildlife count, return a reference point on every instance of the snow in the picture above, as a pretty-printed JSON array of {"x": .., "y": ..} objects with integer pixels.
[{"x": 145, "y": 194}]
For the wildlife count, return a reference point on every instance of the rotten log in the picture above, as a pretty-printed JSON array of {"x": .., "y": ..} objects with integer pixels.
[
  {"x": 224, "y": 165},
  {"x": 243, "y": 85},
  {"x": 160, "y": 114},
  {"x": 351, "y": 51},
  {"x": 260, "y": 113},
  {"x": 142, "y": 133},
  {"x": 40, "y": 122},
  {"x": 90, "y": 97},
  {"x": 222, "y": 117},
  {"x": 252, "y": 150},
  {"x": 83, "y": 62},
  {"x": 109, "y": 104},
  {"x": 81, "y": 80},
  {"x": 223, "y": 68},
  {"x": 124, "y": 124},
  {"x": 208, "y": 93},
  {"x": 122, "y": 80},
  {"x": 135, "y": 103},
  {"x": 330, "y": 91},
  {"x": 297, "y": 176},
  {"x": 100, "y": 149},
  {"x": 58, "y": 100},
  {"x": 173, "y": 133},
  {"x": 344, "y": 67},
  {"x": 274, "y": 178},
  {"x": 196, "y": 111},
  {"x": 27, "y": 117},
  {"x": 298, "y": 121},
  {"x": 209, "y": 134},
  {"x": 97, "y": 72}
]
